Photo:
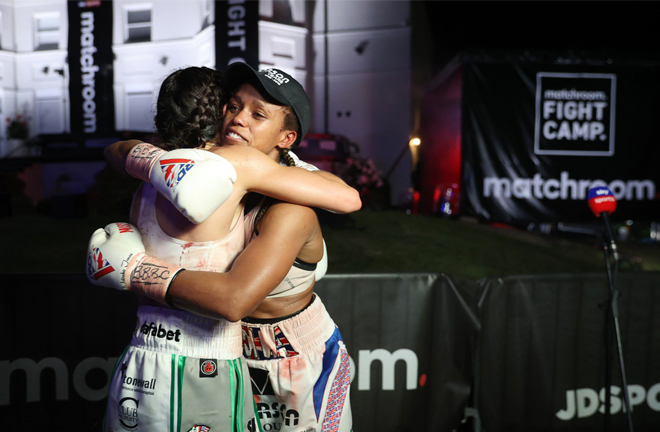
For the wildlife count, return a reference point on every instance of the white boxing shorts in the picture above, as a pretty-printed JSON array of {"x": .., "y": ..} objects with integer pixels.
[
  {"x": 300, "y": 372},
  {"x": 181, "y": 373}
]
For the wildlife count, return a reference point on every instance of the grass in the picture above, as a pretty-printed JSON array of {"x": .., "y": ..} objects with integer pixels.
[
  {"x": 396, "y": 242},
  {"x": 364, "y": 242}
]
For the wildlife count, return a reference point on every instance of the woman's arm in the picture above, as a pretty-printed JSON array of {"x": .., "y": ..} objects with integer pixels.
[
  {"x": 116, "y": 153},
  {"x": 256, "y": 172},
  {"x": 256, "y": 272}
]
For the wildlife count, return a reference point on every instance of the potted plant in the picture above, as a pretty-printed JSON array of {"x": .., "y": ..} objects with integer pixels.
[{"x": 18, "y": 131}]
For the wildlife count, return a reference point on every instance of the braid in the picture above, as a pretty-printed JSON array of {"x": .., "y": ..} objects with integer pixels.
[
  {"x": 286, "y": 157},
  {"x": 207, "y": 116},
  {"x": 262, "y": 211},
  {"x": 189, "y": 109}
]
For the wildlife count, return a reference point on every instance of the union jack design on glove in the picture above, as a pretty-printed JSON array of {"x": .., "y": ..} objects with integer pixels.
[
  {"x": 98, "y": 266},
  {"x": 175, "y": 170}
]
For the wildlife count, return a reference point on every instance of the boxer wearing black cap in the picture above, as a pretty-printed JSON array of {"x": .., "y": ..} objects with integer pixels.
[{"x": 298, "y": 362}]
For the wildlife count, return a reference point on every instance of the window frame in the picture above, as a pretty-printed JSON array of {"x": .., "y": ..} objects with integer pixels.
[
  {"x": 141, "y": 7},
  {"x": 54, "y": 33}
]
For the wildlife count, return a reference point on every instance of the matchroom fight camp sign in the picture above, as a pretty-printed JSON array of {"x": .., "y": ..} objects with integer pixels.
[
  {"x": 537, "y": 135},
  {"x": 574, "y": 114}
]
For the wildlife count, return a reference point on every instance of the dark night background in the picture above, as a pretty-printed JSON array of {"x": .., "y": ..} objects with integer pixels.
[{"x": 621, "y": 29}]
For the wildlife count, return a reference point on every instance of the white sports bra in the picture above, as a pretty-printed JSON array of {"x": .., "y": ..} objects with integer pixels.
[
  {"x": 301, "y": 275},
  {"x": 216, "y": 255}
]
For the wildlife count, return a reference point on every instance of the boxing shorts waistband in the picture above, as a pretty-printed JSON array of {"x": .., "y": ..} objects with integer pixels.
[
  {"x": 184, "y": 333},
  {"x": 300, "y": 334}
]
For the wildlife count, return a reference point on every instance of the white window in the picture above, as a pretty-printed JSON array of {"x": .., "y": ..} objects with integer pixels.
[
  {"x": 140, "y": 111},
  {"x": 138, "y": 24},
  {"x": 50, "y": 115},
  {"x": 47, "y": 31}
]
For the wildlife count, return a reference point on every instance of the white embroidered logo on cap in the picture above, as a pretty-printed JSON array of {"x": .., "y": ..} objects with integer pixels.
[{"x": 276, "y": 77}]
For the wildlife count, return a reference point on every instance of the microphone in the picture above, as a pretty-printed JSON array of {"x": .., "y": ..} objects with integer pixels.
[{"x": 603, "y": 203}]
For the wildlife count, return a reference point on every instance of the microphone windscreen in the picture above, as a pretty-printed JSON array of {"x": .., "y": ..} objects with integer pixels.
[{"x": 601, "y": 200}]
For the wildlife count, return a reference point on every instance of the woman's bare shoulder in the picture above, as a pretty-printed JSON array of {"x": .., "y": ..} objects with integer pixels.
[{"x": 236, "y": 151}]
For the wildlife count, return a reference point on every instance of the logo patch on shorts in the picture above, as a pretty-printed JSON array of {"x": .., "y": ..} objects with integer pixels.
[
  {"x": 199, "y": 428},
  {"x": 208, "y": 368},
  {"x": 127, "y": 412}
]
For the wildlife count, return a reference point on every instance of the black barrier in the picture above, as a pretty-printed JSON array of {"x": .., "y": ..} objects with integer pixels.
[
  {"x": 542, "y": 353},
  {"x": 59, "y": 337},
  {"x": 525, "y": 353},
  {"x": 411, "y": 339}
]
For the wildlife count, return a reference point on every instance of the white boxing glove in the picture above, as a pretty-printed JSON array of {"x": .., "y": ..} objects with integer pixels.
[
  {"x": 110, "y": 252},
  {"x": 302, "y": 164},
  {"x": 195, "y": 181},
  {"x": 322, "y": 266},
  {"x": 116, "y": 259}
]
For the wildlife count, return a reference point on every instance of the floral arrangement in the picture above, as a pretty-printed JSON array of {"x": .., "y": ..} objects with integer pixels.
[
  {"x": 362, "y": 174},
  {"x": 17, "y": 128}
]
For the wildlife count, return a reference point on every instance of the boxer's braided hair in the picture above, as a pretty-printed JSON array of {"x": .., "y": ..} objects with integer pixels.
[
  {"x": 290, "y": 123},
  {"x": 189, "y": 108}
]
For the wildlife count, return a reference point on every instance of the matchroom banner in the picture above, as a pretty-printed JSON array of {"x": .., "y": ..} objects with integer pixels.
[
  {"x": 90, "y": 60},
  {"x": 537, "y": 137},
  {"x": 236, "y": 33}
]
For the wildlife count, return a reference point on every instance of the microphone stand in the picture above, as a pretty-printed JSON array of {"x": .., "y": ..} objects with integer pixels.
[{"x": 612, "y": 317}]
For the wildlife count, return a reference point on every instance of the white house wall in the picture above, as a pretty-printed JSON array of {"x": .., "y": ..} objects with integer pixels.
[
  {"x": 7, "y": 36},
  {"x": 372, "y": 110},
  {"x": 283, "y": 46},
  {"x": 41, "y": 89},
  {"x": 7, "y": 70},
  {"x": 30, "y": 83},
  {"x": 24, "y": 14},
  {"x": 367, "y": 47},
  {"x": 344, "y": 15},
  {"x": 177, "y": 40},
  {"x": 171, "y": 19},
  {"x": 362, "y": 58},
  {"x": 141, "y": 68}
]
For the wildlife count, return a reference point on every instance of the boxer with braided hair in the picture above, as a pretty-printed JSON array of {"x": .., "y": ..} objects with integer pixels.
[
  {"x": 189, "y": 108},
  {"x": 194, "y": 361}
]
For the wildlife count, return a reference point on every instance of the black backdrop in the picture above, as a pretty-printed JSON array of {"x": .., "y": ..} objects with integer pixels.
[{"x": 529, "y": 158}]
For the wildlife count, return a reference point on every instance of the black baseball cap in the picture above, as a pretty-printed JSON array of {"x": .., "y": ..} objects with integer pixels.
[{"x": 276, "y": 84}]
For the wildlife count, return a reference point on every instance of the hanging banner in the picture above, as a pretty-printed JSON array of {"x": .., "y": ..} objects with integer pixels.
[
  {"x": 537, "y": 137},
  {"x": 90, "y": 60},
  {"x": 236, "y": 33}
]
